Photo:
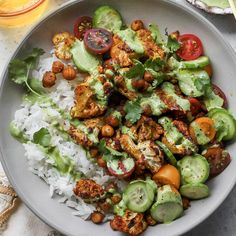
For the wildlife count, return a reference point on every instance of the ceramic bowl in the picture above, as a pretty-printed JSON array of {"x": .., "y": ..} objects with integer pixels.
[{"x": 167, "y": 14}]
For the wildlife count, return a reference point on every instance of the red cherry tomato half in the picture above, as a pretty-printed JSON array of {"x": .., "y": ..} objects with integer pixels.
[
  {"x": 121, "y": 168},
  {"x": 98, "y": 41},
  {"x": 221, "y": 94},
  {"x": 191, "y": 47},
  {"x": 82, "y": 24},
  {"x": 195, "y": 106}
]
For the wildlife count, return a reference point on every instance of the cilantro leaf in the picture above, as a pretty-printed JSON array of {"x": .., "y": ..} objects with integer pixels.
[
  {"x": 42, "y": 137},
  {"x": 19, "y": 69},
  {"x": 172, "y": 44},
  {"x": 32, "y": 58},
  {"x": 133, "y": 111},
  {"x": 109, "y": 153},
  {"x": 155, "y": 64},
  {"x": 137, "y": 71}
]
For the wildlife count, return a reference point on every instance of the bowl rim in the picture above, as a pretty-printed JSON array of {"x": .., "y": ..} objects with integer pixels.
[
  {"x": 23, "y": 11},
  {"x": 21, "y": 194}
]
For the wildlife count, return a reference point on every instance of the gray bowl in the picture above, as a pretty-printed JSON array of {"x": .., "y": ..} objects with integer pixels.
[{"x": 34, "y": 192}]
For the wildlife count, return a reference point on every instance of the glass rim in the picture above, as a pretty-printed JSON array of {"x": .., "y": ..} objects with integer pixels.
[{"x": 20, "y": 12}]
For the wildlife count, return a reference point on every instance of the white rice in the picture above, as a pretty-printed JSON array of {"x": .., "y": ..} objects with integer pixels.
[{"x": 32, "y": 117}]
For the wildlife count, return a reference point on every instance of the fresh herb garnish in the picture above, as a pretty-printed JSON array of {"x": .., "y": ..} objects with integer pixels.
[
  {"x": 202, "y": 84},
  {"x": 133, "y": 111},
  {"x": 172, "y": 44},
  {"x": 19, "y": 69},
  {"x": 42, "y": 137},
  {"x": 109, "y": 153},
  {"x": 137, "y": 71}
]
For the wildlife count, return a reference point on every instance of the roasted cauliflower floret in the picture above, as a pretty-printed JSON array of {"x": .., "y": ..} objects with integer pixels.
[
  {"x": 148, "y": 129},
  {"x": 86, "y": 105},
  {"x": 153, "y": 156},
  {"x": 123, "y": 89},
  {"x": 80, "y": 137},
  {"x": 128, "y": 145},
  {"x": 179, "y": 148},
  {"x": 121, "y": 52},
  {"x": 93, "y": 127},
  {"x": 89, "y": 190},
  {"x": 63, "y": 43},
  {"x": 131, "y": 223},
  {"x": 151, "y": 49}
]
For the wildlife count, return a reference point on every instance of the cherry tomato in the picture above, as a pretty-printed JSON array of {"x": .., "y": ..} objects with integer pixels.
[
  {"x": 82, "y": 24},
  {"x": 221, "y": 94},
  {"x": 195, "y": 106},
  {"x": 98, "y": 41},
  {"x": 121, "y": 168},
  {"x": 191, "y": 47},
  {"x": 218, "y": 159}
]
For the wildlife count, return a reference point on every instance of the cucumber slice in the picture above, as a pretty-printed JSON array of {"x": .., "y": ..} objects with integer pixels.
[
  {"x": 194, "y": 191},
  {"x": 170, "y": 157},
  {"x": 195, "y": 64},
  {"x": 194, "y": 169},
  {"x": 193, "y": 82},
  {"x": 168, "y": 206},
  {"x": 108, "y": 18},
  {"x": 225, "y": 123},
  {"x": 166, "y": 212},
  {"x": 139, "y": 195},
  {"x": 82, "y": 58}
]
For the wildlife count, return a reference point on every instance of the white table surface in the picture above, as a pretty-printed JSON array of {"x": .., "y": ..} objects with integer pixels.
[{"x": 24, "y": 223}]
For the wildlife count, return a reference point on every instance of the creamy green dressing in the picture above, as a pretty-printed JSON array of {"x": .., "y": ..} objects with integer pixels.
[
  {"x": 97, "y": 88},
  {"x": 169, "y": 89},
  {"x": 92, "y": 136},
  {"x": 156, "y": 104},
  {"x": 126, "y": 130},
  {"x": 130, "y": 38},
  {"x": 217, "y": 3},
  {"x": 188, "y": 79},
  {"x": 128, "y": 83},
  {"x": 201, "y": 138},
  {"x": 213, "y": 101},
  {"x": 174, "y": 136}
]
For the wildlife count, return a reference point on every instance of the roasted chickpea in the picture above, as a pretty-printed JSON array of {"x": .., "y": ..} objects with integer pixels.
[
  {"x": 93, "y": 151},
  {"x": 107, "y": 131},
  {"x": 104, "y": 206},
  {"x": 69, "y": 73},
  {"x": 57, "y": 67},
  {"x": 100, "y": 69},
  {"x": 148, "y": 77},
  {"x": 137, "y": 25},
  {"x": 138, "y": 84},
  {"x": 147, "y": 110},
  {"x": 186, "y": 203},
  {"x": 175, "y": 35},
  {"x": 116, "y": 198},
  {"x": 101, "y": 78},
  {"x": 49, "y": 79},
  {"x": 112, "y": 121},
  {"x": 110, "y": 187},
  {"x": 109, "y": 73},
  {"x": 150, "y": 220},
  {"x": 97, "y": 217},
  {"x": 102, "y": 163}
]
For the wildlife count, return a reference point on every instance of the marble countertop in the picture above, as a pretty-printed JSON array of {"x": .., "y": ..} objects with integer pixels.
[{"x": 221, "y": 222}]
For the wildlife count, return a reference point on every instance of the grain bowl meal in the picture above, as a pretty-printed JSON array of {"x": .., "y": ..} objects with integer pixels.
[{"x": 121, "y": 121}]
